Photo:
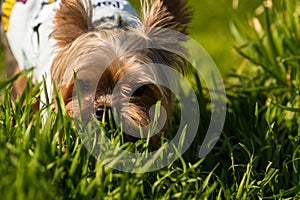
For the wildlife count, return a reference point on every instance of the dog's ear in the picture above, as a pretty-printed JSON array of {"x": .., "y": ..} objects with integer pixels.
[
  {"x": 174, "y": 15},
  {"x": 171, "y": 14},
  {"x": 71, "y": 20}
]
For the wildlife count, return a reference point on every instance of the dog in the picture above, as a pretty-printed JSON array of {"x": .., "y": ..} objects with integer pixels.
[{"x": 89, "y": 42}]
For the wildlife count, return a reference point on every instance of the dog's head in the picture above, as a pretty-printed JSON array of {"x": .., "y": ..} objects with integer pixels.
[{"x": 113, "y": 66}]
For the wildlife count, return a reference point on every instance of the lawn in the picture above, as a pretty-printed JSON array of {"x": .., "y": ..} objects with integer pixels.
[{"x": 256, "y": 47}]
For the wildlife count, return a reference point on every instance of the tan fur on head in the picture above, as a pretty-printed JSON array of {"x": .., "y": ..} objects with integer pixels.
[{"x": 100, "y": 58}]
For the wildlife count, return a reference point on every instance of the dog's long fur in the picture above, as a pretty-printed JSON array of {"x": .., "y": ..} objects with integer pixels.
[{"x": 82, "y": 47}]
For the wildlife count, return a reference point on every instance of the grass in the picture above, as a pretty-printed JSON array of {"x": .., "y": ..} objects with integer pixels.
[
  {"x": 211, "y": 28},
  {"x": 257, "y": 156}
]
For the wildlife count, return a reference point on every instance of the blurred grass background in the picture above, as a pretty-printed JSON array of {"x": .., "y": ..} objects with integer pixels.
[
  {"x": 2, "y": 60},
  {"x": 211, "y": 28}
]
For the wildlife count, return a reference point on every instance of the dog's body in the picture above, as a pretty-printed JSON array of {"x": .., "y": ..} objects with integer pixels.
[{"x": 59, "y": 38}]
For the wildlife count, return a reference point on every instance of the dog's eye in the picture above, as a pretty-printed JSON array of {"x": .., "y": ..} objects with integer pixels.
[{"x": 140, "y": 91}]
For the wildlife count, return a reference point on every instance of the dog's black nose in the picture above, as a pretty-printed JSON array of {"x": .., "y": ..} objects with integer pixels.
[{"x": 103, "y": 113}]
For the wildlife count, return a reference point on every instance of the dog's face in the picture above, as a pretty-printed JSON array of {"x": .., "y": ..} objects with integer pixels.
[{"x": 112, "y": 70}]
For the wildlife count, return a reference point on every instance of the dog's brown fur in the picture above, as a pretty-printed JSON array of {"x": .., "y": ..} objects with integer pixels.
[
  {"x": 12, "y": 67},
  {"x": 82, "y": 48}
]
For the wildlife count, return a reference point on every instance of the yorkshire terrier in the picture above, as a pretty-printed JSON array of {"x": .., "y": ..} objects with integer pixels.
[{"x": 96, "y": 44}]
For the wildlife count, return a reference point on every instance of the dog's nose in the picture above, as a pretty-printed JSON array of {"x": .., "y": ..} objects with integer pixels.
[{"x": 103, "y": 112}]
